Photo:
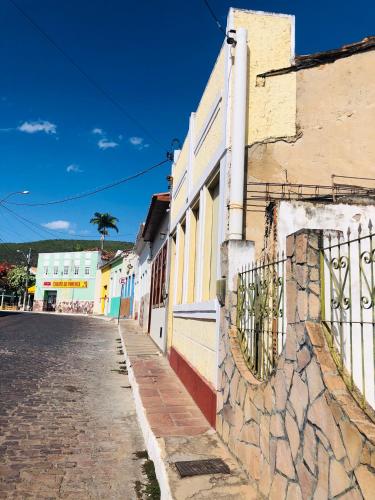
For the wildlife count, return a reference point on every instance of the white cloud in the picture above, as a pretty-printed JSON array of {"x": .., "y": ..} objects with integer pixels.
[
  {"x": 73, "y": 168},
  {"x": 98, "y": 131},
  {"x": 38, "y": 126},
  {"x": 57, "y": 224},
  {"x": 106, "y": 144},
  {"x": 138, "y": 143}
]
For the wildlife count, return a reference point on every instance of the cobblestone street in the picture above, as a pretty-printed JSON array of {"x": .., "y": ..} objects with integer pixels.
[{"x": 68, "y": 426}]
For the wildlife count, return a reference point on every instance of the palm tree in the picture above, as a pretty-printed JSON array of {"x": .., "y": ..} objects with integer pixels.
[{"x": 104, "y": 222}]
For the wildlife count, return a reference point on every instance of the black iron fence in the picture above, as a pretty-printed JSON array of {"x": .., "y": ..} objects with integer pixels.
[
  {"x": 260, "y": 314},
  {"x": 348, "y": 307}
]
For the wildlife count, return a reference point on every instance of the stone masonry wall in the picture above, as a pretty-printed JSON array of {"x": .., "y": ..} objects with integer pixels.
[
  {"x": 77, "y": 306},
  {"x": 300, "y": 434}
]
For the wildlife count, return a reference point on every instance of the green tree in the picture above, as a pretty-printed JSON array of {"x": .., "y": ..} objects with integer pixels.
[
  {"x": 104, "y": 222},
  {"x": 17, "y": 279}
]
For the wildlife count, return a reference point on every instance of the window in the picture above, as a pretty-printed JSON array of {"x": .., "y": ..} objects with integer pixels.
[
  {"x": 180, "y": 256},
  {"x": 196, "y": 256},
  {"x": 66, "y": 270},
  {"x": 158, "y": 277},
  {"x": 76, "y": 270},
  {"x": 55, "y": 270},
  {"x": 214, "y": 194},
  {"x": 87, "y": 270},
  {"x": 210, "y": 242},
  {"x": 46, "y": 270}
]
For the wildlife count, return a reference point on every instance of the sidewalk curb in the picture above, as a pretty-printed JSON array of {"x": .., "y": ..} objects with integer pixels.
[{"x": 151, "y": 441}]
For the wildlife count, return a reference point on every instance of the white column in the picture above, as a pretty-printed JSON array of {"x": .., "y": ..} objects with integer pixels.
[{"x": 238, "y": 136}]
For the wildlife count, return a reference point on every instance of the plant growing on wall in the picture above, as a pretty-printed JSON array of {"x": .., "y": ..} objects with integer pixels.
[{"x": 104, "y": 221}]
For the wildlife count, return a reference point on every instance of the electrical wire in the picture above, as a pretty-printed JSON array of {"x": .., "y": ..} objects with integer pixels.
[
  {"x": 84, "y": 73},
  {"x": 93, "y": 191},
  {"x": 27, "y": 223},
  {"x": 214, "y": 17},
  {"x": 20, "y": 218}
]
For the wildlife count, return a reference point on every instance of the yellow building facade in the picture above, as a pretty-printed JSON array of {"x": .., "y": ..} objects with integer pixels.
[
  {"x": 104, "y": 288},
  {"x": 208, "y": 182}
]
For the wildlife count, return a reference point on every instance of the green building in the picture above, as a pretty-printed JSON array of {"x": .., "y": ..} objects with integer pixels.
[{"x": 65, "y": 281}]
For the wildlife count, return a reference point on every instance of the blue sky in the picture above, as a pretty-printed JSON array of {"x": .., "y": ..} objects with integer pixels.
[{"x": 59, "y": 136}]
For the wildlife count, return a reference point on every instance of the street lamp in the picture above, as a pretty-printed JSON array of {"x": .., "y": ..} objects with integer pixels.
[
  {"x": 14, "y": 193},
  {"x": 28, "y": 261}
]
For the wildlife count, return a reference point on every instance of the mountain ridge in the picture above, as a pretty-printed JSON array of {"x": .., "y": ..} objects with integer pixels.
[{"x": 8, "y": 251}]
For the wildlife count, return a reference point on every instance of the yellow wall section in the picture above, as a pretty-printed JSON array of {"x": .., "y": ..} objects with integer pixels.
[
  {"x": 271, "y": 109},
  {"x": 212, "y": 91},
  {"x": 209, "y": 148},
  {"x": 196, "y": 341},
  {"x": 179, "y": 202},
  {"x": 104, "y": 282}
]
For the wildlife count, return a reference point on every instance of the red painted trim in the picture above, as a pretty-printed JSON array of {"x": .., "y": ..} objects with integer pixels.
[{"x": 200, "y": 390}]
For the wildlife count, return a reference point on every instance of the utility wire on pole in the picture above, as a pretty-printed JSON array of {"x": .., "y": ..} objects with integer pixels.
[
  {"x": 230, "y": 40},
  {"x": 95, "y": 190}
]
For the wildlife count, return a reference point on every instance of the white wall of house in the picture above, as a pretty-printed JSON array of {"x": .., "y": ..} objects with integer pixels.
[
  {"x": 296, "y": 215},
  {"x": 157, "y": 327},
  {"x": 352, "y": 324},
  {"x": 142, "y": 285},
  {"x": 158, "y": 314}
]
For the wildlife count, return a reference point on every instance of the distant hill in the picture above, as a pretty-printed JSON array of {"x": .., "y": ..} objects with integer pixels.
[{"x": 8, "y": 251}]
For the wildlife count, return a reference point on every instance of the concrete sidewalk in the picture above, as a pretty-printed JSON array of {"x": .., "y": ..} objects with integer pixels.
[{"x": 173, "y": 427}]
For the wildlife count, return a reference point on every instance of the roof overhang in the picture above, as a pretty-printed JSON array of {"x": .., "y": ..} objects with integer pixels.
[{"x": 158, "y": 209}]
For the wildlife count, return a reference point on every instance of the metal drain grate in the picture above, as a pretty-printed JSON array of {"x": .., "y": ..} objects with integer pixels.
[{"x": 200, "y": 467}]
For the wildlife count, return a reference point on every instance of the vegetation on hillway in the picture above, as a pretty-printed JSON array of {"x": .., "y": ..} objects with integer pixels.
[{"x": 8, "y": 251}]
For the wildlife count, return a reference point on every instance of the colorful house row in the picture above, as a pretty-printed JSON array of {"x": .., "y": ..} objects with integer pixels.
[
  {"x": 115, "y": 286},
  {"x": 86, "y": 282}
]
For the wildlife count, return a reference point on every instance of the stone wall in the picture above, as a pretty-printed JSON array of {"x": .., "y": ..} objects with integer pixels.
[
  {"x": 38, "y": 305},
  {"x": 76, "y": 306},
  {"x": 300, "y": 434}
]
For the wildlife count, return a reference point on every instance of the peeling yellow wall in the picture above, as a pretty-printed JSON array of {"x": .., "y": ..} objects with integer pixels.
[
  {"x": 271, "y": 112},
  {"x": 335, "y": 120},
  {"x": 271, "y": 109},
  {"x": 195, "y": 339}
]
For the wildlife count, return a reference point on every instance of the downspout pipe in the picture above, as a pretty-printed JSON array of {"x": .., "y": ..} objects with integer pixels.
[{"x": 239, "y": 108}]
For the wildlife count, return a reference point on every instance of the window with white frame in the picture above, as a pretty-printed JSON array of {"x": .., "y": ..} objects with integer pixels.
[
  {"x": 76, "y": 270},
  {"x": 87, "y": 270},
  {"x": 66, "y": 270},
  {"x": 55, "y": 270},
  {"x": 45, "y": 270}
]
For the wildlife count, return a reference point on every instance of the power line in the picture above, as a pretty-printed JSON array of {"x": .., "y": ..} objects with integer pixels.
[
  {"x": 53, "y": 233},
  {"x": 26, "y": 222},
  {"x": 214, "y": 17},
  {"x": 20, "y": 218},
  {"x": 84, "y": 73},
  {"x": 93, "y": 191}
]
